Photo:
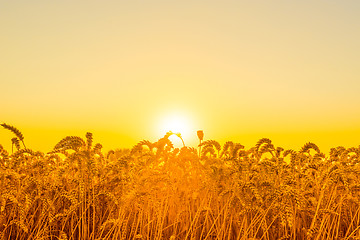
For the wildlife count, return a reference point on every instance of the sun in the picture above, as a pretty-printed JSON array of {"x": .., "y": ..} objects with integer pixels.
[{"x": 176, "y": 123}]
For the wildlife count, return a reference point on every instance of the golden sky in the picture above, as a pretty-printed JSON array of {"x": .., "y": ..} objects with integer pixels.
[{"x": 239, "y": 70}]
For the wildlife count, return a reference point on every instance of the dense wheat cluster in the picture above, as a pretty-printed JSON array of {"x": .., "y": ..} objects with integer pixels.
[{"x": 156, "y": 191}]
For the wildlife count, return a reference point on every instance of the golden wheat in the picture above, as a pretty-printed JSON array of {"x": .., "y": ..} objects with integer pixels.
[{"x": 157, "y": 191}]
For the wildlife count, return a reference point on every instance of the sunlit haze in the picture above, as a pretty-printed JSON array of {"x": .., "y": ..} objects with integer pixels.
[
  {"x": 177, "y": 123},
  {"x": 133, "y": 70}
]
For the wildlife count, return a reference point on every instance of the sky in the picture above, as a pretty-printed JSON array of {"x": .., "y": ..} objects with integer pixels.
[{"x": 124, "y": 70}]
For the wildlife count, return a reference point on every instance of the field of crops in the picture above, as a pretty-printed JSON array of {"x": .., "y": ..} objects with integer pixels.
[{"x": 156, "y": 191}]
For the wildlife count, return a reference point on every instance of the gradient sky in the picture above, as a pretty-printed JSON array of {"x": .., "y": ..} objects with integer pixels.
[{"x": 239, "y": 70}]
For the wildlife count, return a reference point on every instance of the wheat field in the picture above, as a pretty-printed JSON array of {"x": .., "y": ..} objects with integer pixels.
[{"x": 156, "y": 191}]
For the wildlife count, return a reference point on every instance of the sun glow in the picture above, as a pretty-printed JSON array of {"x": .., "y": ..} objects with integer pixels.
[{"x": 176, "y": 123}]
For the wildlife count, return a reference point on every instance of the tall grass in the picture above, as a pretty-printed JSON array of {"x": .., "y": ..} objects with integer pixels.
[{"x": 156, "y": 191}]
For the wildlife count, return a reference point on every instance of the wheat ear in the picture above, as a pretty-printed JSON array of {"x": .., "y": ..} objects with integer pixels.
[{"x": 15, "y": 131}]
